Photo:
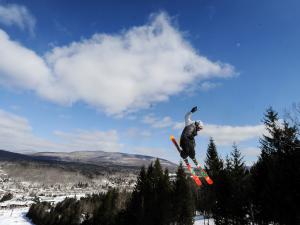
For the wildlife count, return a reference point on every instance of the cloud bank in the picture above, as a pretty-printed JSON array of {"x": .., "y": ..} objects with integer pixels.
[
  {"x": 117, "y": 73},
  {"x": 17, "y": 15},
  {"x": 226, "y": 135},
  {"x": 17, "y": 135}
]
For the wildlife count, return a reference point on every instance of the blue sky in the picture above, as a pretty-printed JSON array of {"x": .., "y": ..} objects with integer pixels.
[{"x": 119, "y": 76}]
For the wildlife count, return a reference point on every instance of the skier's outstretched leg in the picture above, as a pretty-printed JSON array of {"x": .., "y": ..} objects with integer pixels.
[
  {"x": 203, "y": 172},
  {"x": 194, "y": 176},
  {"x": 183, "y": 154}
]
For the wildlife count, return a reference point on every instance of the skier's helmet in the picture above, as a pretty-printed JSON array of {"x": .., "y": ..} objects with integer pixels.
[{"x": 199, "y": 124}]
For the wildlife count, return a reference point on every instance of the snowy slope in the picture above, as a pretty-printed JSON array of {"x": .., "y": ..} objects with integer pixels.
[
  {"x": 199, "y": 220},
  {"x": 14, "y": 217},
  {"x": 17, "y": 217}
]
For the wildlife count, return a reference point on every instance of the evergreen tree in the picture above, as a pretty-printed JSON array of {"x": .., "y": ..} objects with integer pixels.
[
  {"x": 228, "y": 163},
  {"x": 135, "y": 211},
  {"x": 151, "y": 199},
  {"x": 237, "y": 172},
  {"x": 162, "y": 196},
  {"x": 208, "y": 194},
  {"x": 165, "y": 199},
  {"x": 263, "y": 172},
  {"x": 237, "y": 165},
  {"x": 149, "y": 196},
  {"x": 213, "y": 163},
  {"x": 227, "y": 199},
  {"x": 183, "y": 204},
  {"x": 275, "y": 177},
  {"x": 107, "y": 212}
]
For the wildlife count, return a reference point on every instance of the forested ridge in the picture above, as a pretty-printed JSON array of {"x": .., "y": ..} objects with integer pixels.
[{"x": 266, "y": 193}]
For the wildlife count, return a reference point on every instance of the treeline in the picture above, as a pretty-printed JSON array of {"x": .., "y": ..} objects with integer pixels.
[
  {"x": 155, "y": 200},
  {"x": 266, "y": 193},
  {"x": 6, "y": 197}
]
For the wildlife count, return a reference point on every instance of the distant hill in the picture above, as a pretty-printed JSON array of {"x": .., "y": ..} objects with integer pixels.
[
  {"x": 19, "y": 161},
  {"x": 102, "y": 158},
  {"x": 43, "y": 171},
  {"x": 6, "y": 155},
  {"x": 60, "y": 167}
]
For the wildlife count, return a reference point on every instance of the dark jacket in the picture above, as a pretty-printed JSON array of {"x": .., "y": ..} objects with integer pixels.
[{"x": 187, "y": 139}]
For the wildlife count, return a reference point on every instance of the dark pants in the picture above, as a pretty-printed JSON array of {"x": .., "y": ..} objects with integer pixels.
[{"x": 188, "y": 147}]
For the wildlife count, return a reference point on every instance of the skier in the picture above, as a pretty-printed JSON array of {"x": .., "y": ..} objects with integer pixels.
[
  {"x": 187, "y": 139},
  {"x": 187, "y": 146}
]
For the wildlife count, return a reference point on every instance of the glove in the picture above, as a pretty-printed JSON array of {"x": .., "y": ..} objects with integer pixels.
[{"x": 194, "y": 109}]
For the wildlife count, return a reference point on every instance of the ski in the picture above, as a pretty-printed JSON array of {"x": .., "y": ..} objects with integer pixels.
[
  {"x": 190, "y": 169},
  {"x": 203, "y": 172},
  {"x": 194, "y": 176}
]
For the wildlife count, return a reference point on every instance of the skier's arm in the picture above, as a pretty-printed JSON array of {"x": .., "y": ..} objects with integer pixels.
[{"x": 188, "y": 118}]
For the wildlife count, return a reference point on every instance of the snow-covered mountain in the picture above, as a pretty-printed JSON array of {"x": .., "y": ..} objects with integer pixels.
[
  {"x": 102, "y": 158},
  {"x": 98, "y": 158}
]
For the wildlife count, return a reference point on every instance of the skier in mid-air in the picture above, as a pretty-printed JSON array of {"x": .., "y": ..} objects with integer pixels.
[
  {"x": 187, "y": 139},
  {"x": 188, "y": 144}
]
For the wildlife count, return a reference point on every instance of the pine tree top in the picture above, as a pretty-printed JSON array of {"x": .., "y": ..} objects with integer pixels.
[
  {"x": 237, "y": 163},
  {"x": 213, "y": 163}
]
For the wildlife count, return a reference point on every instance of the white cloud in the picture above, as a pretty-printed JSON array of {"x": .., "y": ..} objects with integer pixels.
[
  {"x": 157, "y": 122},
  {"x": 134, "y": 132},
  {"x": 156, "y": 152},
  {"x": 117, "y": 73},
  {"x": 22, "y": 68},
  {"x": 250, "y": 154},
  {"x": 222, "y": 134},
  {"x": 90, "y": 140},
  {"x": 207, "y": 85},
  {"x": 178, "y": 125},
  {"x": 18, "y": 15},
  {"x": 225, "y": 135},
  {"x": 16, "y": 135},
  {"x": 250, "y": 151},
  {"x": 202, "y": 86}
]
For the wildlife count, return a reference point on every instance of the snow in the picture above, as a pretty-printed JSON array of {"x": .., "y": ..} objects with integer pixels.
[
  {"x": 16, "y": 202},
  {"x": 57, "y": 199},
  {"x": 199, "y": 220},
  {"x": 15, "y": 216}
]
